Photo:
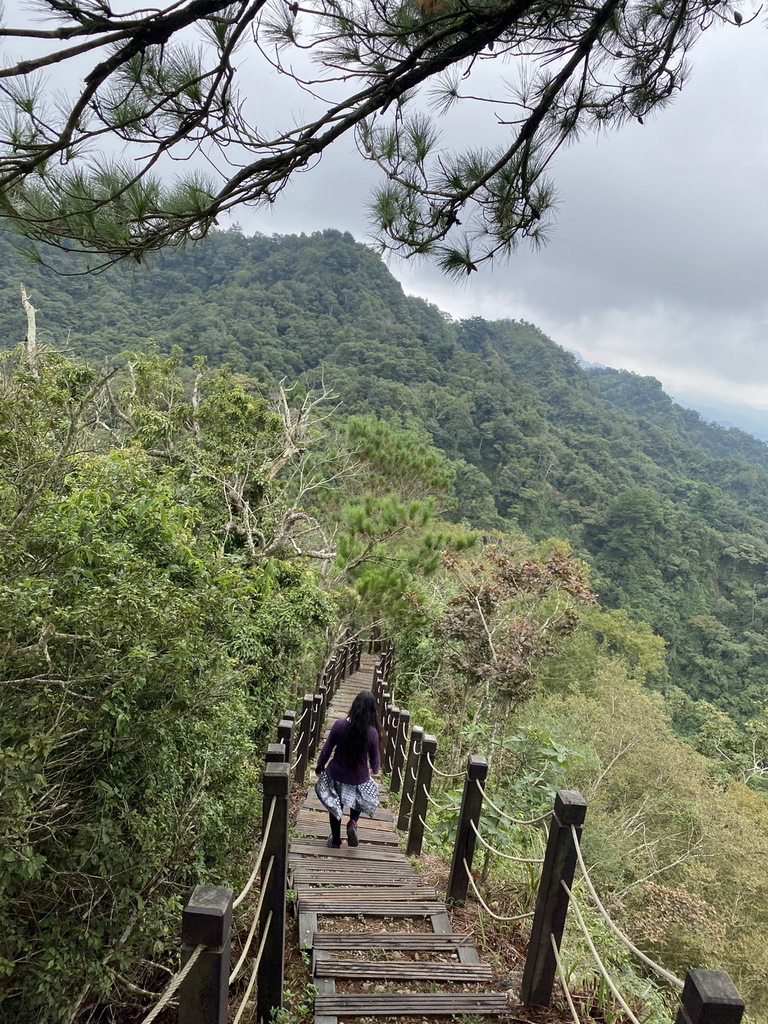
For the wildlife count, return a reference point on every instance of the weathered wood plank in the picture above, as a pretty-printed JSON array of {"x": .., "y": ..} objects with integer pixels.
[
  {"x": 406, "y": 970},
  {"x": 395, "y": 908},
  {"x": 413, "y": 941},
  {"x": 307, "y": 928},
  {"x": 374, "y": 894},
  {"x": 435, "y": 1004},
  {"x": 307, "y": 848}
]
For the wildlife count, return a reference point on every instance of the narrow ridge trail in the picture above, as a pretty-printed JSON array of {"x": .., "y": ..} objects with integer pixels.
[{"x": 376, "y": 881}]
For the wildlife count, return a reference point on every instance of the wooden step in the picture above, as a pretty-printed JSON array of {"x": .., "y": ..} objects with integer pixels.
[
  {"x": 308, "y": 848},
  {"x": 415, "y": 1004},
  {"x": 355, "y": 877},
  {"x": 330, "y": 905},
  {"x": 412, "y": 941},
  {"x": 406, "y": 970},
  {"x": 354, "y": 892},
  {"x": 366, "y": 833}
]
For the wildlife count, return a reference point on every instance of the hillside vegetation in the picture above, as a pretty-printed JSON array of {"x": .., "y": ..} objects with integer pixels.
[{"x": 573, "y": 569}]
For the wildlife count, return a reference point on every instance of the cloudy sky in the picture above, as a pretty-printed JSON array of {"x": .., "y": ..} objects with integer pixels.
[{"x": 659, "y": 256}]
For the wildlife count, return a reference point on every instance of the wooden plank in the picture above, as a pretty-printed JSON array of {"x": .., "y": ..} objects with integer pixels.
[
  {"x": 413, "y": 941},
  {"x": 308, "y": 848},
  {"x": 310, "y": 819},
  {"x": 359, "y": 878},
  {"x": 377, "y": 894},
  {"x": 421, "y": 1004},
  {"x": 406, "y": 970},
  {"x": 327, "y": 987},
  {"x": 441, "y": 924},
  {"x": 395, "y": 908},
  {"x": 307, "y": 928},
  {"x": 367, "y": 835}
]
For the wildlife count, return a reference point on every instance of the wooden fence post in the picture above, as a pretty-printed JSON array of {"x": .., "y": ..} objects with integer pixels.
[
  {"x": 285, "y": 736},
  {"x": 269, "y": 982},
  {"x": 302, "y": 744},
  {"x": 709, "y": 997},
  {"x": 393, "y": 730},
  {"x": 398, "y": 760},
  {"x": 469, "y": 815},
  {"x": 317, "y": 723},
  {"x": 275, "y": 753},
  {"x": 409, "y": 781},
  {"x": 552, "y": 899},
  {"x": 206, "y": 920},
  {"x": 423, "y": 782}
]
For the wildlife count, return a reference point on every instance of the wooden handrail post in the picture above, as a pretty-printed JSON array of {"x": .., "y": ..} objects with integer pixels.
[
  {"x": 398, "y": 760},
  {"x": 206, "y": 920},
  {"x": 409, "y": 781},
  {"x": 275, "y": 753},
  {"x": 302, "y": 744},
  {"x": 466, "y": 840},
  {"x": 285, "y": 736},
  {"x": 552, "y": 899},
  {"x": 269, "y": 982},
  {"x": 393, "y": 730},
  {"x": 709, "y": 997},
  {"x": 423, "y": 782},
  {"x": 317, "y": 723}
]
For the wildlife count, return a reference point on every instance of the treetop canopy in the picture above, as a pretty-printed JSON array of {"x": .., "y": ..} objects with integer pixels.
[{"x": 88, "y": 169}]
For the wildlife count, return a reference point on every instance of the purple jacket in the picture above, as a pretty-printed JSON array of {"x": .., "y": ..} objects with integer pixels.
[{"x": 341, "y": 768}]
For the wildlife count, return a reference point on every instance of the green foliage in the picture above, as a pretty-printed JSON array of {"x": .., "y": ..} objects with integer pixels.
[{"x": 139, "y": 665}]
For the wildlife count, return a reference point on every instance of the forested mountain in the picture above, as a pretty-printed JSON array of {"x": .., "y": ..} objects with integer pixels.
[
  {"x": 181, "y": 545},
  {"x": 672, "y": 510}
]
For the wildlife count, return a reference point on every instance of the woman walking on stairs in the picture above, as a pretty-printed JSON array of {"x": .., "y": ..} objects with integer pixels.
[{"x": 347, "y": 782}]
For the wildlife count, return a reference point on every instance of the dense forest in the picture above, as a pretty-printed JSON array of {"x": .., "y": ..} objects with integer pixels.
[{"x": 215, "y": 464}]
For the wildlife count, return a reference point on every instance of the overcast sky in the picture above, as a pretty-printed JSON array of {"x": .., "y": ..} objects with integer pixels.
[{"x": 659, "y": 256}]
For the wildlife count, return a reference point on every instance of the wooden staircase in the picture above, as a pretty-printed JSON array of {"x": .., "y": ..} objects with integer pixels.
[{"x": 376, "y": 881}]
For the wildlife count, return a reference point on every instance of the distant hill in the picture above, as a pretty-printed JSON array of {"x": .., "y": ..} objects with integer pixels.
[{"x": 671, "y": 510}]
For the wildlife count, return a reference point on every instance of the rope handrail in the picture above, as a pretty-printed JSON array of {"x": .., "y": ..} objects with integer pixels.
[
  {"x": 426, "y": 826},
  {"x": 600, "y": 965},
  {"x": 252, "y": 979},
  {"x": 249, "y": 884},
  {"x": 432, "y": 800},
  {"x": 624, "y": 939},
  {"x": 496, "y": 917},
  {"x": 515, "y": 821},
  {"x": 413, "y": 775},
  {"x": 563, "y": 982},
  {"x": 506, "y": 856},
  {"x": 254, "y": 922},
  {"x": 173, "y": 984},
  {"x": 444, "y": 775}
]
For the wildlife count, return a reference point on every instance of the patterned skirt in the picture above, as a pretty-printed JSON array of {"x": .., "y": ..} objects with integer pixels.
[{"x": 335, "y": 796}]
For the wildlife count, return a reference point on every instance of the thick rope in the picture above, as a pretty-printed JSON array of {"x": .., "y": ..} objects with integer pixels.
[
  {"x": 173, "y": 984},
  {"x": 662, "y": 971},
  {"x": 563, "y": 982},
  {"x": 443, "y": 775},
  {"x": 515, "y": 821},
  {"x": 431, "y": 800},
  {"x": 426, "y": 826},
  {"x": 506, "y": 856},
  {"x": 517, "y": 917},
  {"x": 257, "y": 865},
  {"x": 600, "y": 965},
  {"x": 252, "y": 979},
  {"x": 254, "y": 922}
]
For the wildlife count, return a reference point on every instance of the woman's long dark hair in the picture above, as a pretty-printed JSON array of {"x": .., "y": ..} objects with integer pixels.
[{"x": 362, "y": 715}]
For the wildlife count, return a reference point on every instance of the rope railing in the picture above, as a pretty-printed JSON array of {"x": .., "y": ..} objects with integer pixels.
[
  {"x": 624, "y": 939},
  {"x": 486, "y": 908},
  {"x": 249, "y": 884},
  {"x": 600, "y": 965},
  {"x": 426, "y": 826},
  {"x": 506, "y": 856},
  {"x": 254, "y": 922},
  {"x": 254, "y": 971},
  {"x": 564, "y": 980},
  {"x": 507, "y": 817},
  {"x": 432, "y": 800},
  {"x": 172, "y": 985},
  {"x": 445, "y": 775}
]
